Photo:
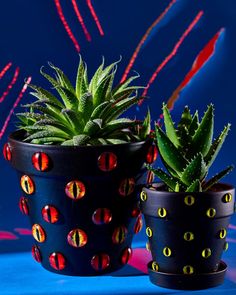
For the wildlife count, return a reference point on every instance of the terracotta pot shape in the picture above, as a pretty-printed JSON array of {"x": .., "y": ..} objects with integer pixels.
[
  {"x": 81, "y": 201},
  {"x": 187, "y": 235}
]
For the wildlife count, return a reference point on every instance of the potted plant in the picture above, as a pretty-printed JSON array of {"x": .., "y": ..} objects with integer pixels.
[
  {"x": 186, "y": 215},
  {"x": 80, "y": 167}
]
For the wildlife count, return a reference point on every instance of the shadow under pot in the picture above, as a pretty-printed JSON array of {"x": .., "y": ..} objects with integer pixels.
[
  {"x": 81, "y": 202},
  {"x": 187, "y": 235}
]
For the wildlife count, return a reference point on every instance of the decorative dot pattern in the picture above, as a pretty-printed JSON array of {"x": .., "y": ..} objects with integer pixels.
[
  {"x": 107, "y": 161},
  {"x": 135, "y": 212},
  {"x": 36, "y": 253},
  {"x": 149, "y": 232},
  {"x": 102, "y": 216},
  {"x": 155, "y": 266},
  {"x": 50, "y": 214},
  {"x": 150, "y": 177},
  {"x": 119, "y": 235},
  {"x": 211, "y": 212},
  {"x": 152, "y": 154},
  {"x": 206, "y": 253},
  {"x": 23, "y": 205},
  {"x": 138, "y": 224},
  {"x": 227, "y": 198},
  {"x": 100, "y": 262},
  {"x": 57, "y": 261},
  {"x": 222, "y": 233},
  {"x": 161, "y": 212},
  {"x": 127, "y": 187},
  {"x": 40, "y": 161},
  {"x": 38, "y": 233},
  {"x": 188, "y": 270},
  {"x": 7, "y": 152},
  {"x": 167, "y": 252},
  {"x": 143, "y": 196},
  {"x": 188, "y": 236},
  {"x": 125, "y": 255},
  {"x": 77, "y": 238},
  {"x": 189, "y": 200},
  {"x": 226, "y": 246},
  {"x": 27, "y": 184},
  {"x": 75, "y": 190}
]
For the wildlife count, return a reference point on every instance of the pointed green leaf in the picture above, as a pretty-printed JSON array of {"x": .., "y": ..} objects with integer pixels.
[
  {"x": 92, "y": 127},
  {"x": 186, "y": 118},
  {"x": 48, "y": 140},
  {"x": 117, "y": 124},
  {"x": 125, "y": 84},
  {"x": 194, "y": 124},
  {"x": 100, "y": 94},
  {"x": 94, "y": 81},
  {"x": 194, "y": 187},
  {"x": 146, "y": 126},
  {"x": 81, "y": 139},
  {"x": 98, "y": 111},
  {"x": 52, "y": 132},
  {"x": 86, "y": 105},
  {"x": 169, "y": 126},
  {"x": 79, "y": 78},
  {"x": 74, "y": 119}
]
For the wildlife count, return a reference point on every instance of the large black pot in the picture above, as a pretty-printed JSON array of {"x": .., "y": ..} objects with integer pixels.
[
  {"x": 187, "y": 235},
  {"x": 82, "y": 202}
]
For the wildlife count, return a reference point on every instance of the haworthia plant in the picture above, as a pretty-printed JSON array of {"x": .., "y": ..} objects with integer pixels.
[
  {"x": 188, "y": 151},
  {"x": 87, "y": 114}
]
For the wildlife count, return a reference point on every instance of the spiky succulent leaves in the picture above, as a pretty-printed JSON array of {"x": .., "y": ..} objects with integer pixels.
[
  {"x": 194, "y": 124},
  {"x": 146, "y": 127},
  {"x": 182, "y": 128},
  {"x": 169, "y": 153},
  {"x": 195, "y": 187}
]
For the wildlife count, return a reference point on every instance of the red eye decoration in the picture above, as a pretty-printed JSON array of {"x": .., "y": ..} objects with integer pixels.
[
  {"x": 23, "y": 204},
  {"x": 127, "y": 187},
  {"x": 100, "y": 261},
  {"x": 152, "y": 154},
  {"x": 40, "y": 161},
  {"x": 38, "y": 233},
  {"x": 7, "y": 152},
  {"x": 36, "y": 253},
  {"x": 77, "y": 238},
  {"x": 75, "y": 190},
  {"x": 125, "y": 255},
  {"x": 138, "y": 225},
  {"x": 50, "y": 214},
  {"x": 102, "y": 216},
  {"x": 107, "y": 161},
  {"x": 57, "y": 261},
  {"x": 135, "y": 212},
  {"x": 119, "y": 235},
  {"x": 150, "y": 177},
  {"x": 27, "y": 184}
]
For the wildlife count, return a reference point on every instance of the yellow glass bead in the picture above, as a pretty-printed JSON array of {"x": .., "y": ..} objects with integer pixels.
[
  {"x": 161, "y": 212},
  {"x": 155, "y": 266},
  {"x": 206, "y": 253},
  {"x": 222, "y": 233},
  {"x": 226, "y": 246},
  {"x": 189, "y": 200},
  {"x": 211, "y": 212},
  {"x": 227, "y": 198},
  {"x": 188, "y": 236},
  {"x": 148, "y": 247},
  {"x": 148, "y": 232},
  {"x": 188, "y": 270},
  {"x": 167, "y": 252},
  {"x": 143, "y": 196}
]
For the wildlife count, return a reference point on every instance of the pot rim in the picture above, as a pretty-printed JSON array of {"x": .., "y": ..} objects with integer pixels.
[{"x": 14, "y": 137}]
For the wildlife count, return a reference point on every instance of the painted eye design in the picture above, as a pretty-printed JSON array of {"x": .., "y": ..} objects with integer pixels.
[
  {"x": 40, "y": 161},
  {"x": 57, "y": 261},
  {"x": 75, "y": 190},
  {"x": 107, "y": 161},
  {"x": 50, "y": 214},
  {"x": 125, "y": 255},
  {"x": 119, "y": 235},
  {"x": 152, "y": 154},
  {"x": 27, "y": 184},
  {"x": 102, "y": 216},
  {"x": 77, "y": 238},
  {"x": 7, "y": 152},
  {"x": 36, "y": 253},
  {"x": 100, "y": 261},
  {"x": 23, "y": 204},
  {"x": 127, "y": 187},
  {"x": 138, "y": 224},
  {"x": 38, "y": 233}
]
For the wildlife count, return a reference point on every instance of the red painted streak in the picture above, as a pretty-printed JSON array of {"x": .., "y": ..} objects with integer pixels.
[
  {"x": 144, "y": 38},
  {"x": 6, "y": 235},
  {"x": 139, "y": 259},
  {"x": 23, "y": 231},
  {"x": 81, "y": 20},
  {"x": 173, "y": 52},
  {"x": 205, "y": 54},
  {"x": 13, "y": 108},
  {"x": 10, "y": 85},
  {"x": 5, "y": 69},
  {"x": 95, "y": 17},
  {"x": 65, "y": 24}
]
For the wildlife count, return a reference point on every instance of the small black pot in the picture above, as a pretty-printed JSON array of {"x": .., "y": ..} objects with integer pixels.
[
  {"x": 187, "y": 233},
  {"x": 82, "y": 202}
]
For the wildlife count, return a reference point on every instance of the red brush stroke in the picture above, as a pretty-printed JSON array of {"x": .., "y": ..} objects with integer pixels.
[
  {"x": 5, "y": 69},
  {"x": 14, "y": 106},
  {"x": 23, "y": 231},
  {"x": 95, "y": 17},
  {"x": 144, "y": 38},
  {"x": 6, "y": 235},
  {"x": 205, "y": 54},
  {"x": 81, "y": 20},
  {"x": 173, "y": 52},
  {"x": 10, "y": 85},
  {"x": 139, "y": 259},
  {"x": 65, "y": 24}
]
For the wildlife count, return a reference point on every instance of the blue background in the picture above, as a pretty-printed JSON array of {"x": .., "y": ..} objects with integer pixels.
[{"x": 31, "y": 34}]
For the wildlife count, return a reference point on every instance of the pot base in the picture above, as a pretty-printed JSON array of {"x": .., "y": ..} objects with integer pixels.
[{"x": 188, "y": 282}]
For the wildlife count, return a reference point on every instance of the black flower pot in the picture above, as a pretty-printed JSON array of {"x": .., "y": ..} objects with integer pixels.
[
  {"x": 81, "y": 201},
  {"x": 187, "y": 235}
]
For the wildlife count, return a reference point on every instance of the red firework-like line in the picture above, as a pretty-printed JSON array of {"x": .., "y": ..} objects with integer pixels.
[
  {"x": 95, "y": 17},
  {"x": 10, "y": 85},
  {"x": 4, "y": 127},
  {"x": 81, "y": 20},
  {"x": 5, "y": 69},
  {"x": 144, "y": 38},
  {"x": 65, "y": 24},
  {"x": 173, "y": 52}
]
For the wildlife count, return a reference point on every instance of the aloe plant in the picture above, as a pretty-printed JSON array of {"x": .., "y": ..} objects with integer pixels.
[
  {"x": 188, "y": 150},
  {"x": 87, "y": 114}
]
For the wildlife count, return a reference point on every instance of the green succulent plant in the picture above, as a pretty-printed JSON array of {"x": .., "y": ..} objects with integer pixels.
[
  {"x": 87, "y": 114},
  {"x": 188, "y": 151}
]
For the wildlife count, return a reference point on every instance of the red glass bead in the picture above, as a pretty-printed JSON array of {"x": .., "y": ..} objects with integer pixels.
[
  {"x": 38, "y": 233},
  {"x": 138, "y": 224},
  {"x": 27, "y": 184},
  {"x": 77, "y": 238},
  {"x": 36, "y": 253},
  {"x": 50, "y": 214},
  {"x": 75, "y": 190},
  {"x": 152, "y": 154},
  {"x": 127, "y": 187},
  {"x": 100, "y": 261},
  {"x": 135, "y": 212},
  {"x": 107, "y": 161},
  {"x": 7, "y": 152},
  {"x": 125, "y": 255},
  {"x": 40, "y": 161},
  {"x": 57, "y": 261},
  {"x": 23, "y": 204},
  {"x": 102, "y": 216},
  {"x": 119, "y": 235},
  {"x": 150, "y": 177}
]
